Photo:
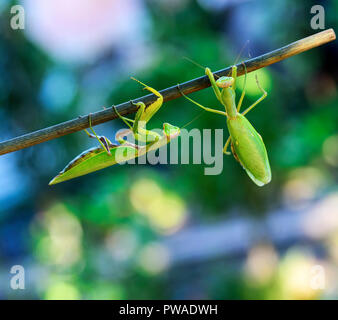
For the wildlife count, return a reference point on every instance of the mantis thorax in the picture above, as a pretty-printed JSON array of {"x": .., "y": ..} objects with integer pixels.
[{"x": 228, "y": 100}]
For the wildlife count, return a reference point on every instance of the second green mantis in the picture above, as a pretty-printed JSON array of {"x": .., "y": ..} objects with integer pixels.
[
  {"x": 246, "y": 143},
  {"x": 108, "y": 154}
]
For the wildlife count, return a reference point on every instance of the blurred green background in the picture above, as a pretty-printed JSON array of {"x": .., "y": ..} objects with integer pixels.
[{"x": 152, "y": 232}]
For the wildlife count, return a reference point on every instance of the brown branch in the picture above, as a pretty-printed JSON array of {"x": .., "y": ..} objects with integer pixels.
[{"x": 74, "y": 125}]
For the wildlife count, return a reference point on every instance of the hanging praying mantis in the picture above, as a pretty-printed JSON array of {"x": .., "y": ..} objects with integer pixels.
[
  {"x": 108, "y": 154},
  {"x": 246, "y": 143}
]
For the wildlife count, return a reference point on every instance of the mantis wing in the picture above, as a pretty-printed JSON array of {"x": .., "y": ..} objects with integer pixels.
[
  {"x": 249, "y": 149},
  {"x": 95, "y": 159}
]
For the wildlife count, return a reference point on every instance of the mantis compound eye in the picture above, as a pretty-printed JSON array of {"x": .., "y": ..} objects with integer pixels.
[{"x": 225, "y": 82}]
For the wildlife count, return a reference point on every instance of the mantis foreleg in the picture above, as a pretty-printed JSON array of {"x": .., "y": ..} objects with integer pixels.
[
  {"x": 153, "y": 107},
  {"x": 214, "y": 86},
  {"x": 141, "y": 118}
]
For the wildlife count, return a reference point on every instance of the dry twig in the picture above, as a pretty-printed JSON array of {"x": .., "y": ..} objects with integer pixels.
[{"x": 74, "y": 125}]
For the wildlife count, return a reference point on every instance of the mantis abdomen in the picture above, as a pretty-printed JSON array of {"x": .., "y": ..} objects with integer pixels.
[{"x": 249, "y": 149}]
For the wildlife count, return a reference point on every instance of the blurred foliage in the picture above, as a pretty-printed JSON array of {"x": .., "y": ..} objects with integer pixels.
[{"x": 100, "y": 236}]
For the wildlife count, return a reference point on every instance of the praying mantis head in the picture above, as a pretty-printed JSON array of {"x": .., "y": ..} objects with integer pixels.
[
  {"x": 225, "y": 82},
  {"x": 171, "y": 131}
]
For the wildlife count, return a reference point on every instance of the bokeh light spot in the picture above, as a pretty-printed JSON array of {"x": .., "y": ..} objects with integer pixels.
[
  {"x": 261, "y": 264},
  {"x": 330, "y": 150},
  {"x": 58, "y": 90},
  {"x": 122, "y": 244},
  {"x": 154, "y": 258},
  {"x": 295, "y": 276},
  {"x": 166, "y": 211},
  {"x": 62, "y": 244},
  {"x": 322, "y": 218},
  {"x": 62, "y": 291},
  {"x": 302, "y": 185}
]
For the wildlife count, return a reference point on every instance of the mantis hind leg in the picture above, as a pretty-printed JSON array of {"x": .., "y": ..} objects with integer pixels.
[
  {"x": 226, "y": 146},
  {"x": 264, "y": 95},
  {"x": 124, "y": 119},
  {"x": 104, "y": 142}
]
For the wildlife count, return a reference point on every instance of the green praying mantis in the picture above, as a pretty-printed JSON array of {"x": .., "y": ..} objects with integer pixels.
[
  {"x": 246, "y": 143},
  {"x": 108, "y": 154}
]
